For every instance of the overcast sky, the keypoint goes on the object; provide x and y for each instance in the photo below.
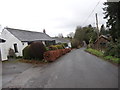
(55, 16)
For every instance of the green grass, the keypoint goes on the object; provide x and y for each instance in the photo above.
(95, 52)
(101, 55)
(113, 59)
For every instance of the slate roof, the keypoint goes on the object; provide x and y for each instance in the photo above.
(25, 36)
(61, 40)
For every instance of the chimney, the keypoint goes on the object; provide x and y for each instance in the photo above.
(44, 31)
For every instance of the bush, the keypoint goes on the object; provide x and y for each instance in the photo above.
(34, 51)
(60, 46)
(54, 54)
(26, 52)
(53, 47)
(37, 50)
(75, 43)
(47, 48)
(11, 53)
(113, 49)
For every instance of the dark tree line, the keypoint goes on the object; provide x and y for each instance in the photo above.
(112, 14)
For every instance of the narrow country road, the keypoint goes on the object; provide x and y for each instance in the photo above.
(77, 69)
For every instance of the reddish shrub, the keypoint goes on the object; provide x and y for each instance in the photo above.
(50, 55)
(54, 54)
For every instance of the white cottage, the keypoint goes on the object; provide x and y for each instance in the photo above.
(18, 39)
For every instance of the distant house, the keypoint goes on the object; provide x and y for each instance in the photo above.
(101, 42)
(17, 40)
(62, 40)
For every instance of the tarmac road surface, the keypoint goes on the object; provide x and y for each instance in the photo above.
(77, 69)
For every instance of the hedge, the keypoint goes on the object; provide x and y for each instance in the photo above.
(34, 51)
(54, 54)
(26, 52)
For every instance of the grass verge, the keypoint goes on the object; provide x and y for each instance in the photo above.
(101, 55)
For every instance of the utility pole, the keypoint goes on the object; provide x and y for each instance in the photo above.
(97, 24)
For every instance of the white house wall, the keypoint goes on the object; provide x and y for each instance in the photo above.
(69, 44)
(10, 41)
(3, 52)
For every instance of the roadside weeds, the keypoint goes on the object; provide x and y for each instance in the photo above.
(111, 59)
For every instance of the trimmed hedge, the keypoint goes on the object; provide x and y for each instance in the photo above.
(54, 54)
(34, 51)
(37, 50)
(26, 52)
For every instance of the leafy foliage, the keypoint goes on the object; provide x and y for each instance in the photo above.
(112, 14)
(103, 31)
(75, 43)
(52, 47)
(85, 34)
(26, 52)
(37, 50)
(101, 54)
(34, 51)
(11, 53)
(59, 46)
(113, 49)
(55, 47)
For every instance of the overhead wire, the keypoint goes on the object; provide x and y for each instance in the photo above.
(91, 12)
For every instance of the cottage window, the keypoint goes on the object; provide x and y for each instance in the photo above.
(15, 48)
(103, 44)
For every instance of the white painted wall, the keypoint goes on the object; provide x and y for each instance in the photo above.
(43, 42)
(10, 41)
(69, 44)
